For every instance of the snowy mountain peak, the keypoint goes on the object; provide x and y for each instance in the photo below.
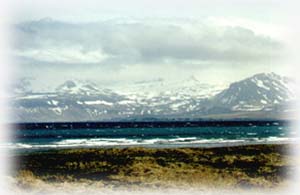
(256, 92)
(77, 87)
(269, 75)
(68, 85)
(191, 81)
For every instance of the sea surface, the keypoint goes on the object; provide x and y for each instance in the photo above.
(156, 137)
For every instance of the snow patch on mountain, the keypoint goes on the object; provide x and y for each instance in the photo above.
(97, 102)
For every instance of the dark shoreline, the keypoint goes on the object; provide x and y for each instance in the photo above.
(236, 166)
(147, 124)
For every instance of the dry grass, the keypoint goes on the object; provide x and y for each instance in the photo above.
(260, 166)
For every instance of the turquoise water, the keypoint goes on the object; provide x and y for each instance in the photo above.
(150, 137)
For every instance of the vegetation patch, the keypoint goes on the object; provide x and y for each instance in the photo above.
(257, 166)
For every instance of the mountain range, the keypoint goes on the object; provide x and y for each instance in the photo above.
(261, 96)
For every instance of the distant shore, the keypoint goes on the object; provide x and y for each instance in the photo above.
(150, 124)
(249, 166)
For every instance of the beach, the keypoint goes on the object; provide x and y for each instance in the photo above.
(265, 166)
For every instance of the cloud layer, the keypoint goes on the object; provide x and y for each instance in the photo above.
(124, 42)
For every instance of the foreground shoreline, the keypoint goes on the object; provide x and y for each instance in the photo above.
(247, 166)
(225, 144)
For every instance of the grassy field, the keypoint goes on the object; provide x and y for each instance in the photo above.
(256, 166)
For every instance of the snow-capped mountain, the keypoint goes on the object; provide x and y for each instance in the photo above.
(262, 95)
(190, 87)
(79, 87)
(256, 93)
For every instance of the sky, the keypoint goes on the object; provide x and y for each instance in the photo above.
(115, 42)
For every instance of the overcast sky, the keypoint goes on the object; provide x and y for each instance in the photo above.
(216, 41)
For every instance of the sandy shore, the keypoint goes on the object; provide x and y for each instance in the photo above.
(239, 167)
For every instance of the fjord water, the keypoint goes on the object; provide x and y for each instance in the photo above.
(210, 136)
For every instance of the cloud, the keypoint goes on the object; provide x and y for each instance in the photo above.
(63, 55)
(144, 42)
